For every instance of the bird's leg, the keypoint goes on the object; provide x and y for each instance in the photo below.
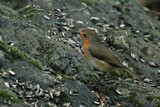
(99, 80)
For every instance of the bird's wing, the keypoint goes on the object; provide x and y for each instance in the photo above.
(102, 53)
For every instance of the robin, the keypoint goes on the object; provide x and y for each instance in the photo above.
(99, 56)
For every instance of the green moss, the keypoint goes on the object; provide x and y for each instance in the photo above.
(17, 54)
(6, 95)
(67, 78)
(55, 66)
(22, 14)
(109, 90)
(137, 103)
(150, 98)
(134, 100)
(64, 97)
(133, 95)
(8, 12)
(119, 73)
(27, 11)
(157, 102)
(155, 99)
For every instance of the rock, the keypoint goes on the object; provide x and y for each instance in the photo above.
(80, 94)
(39, 34)
(118, 38)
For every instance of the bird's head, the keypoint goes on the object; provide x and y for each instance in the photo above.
(89, 35)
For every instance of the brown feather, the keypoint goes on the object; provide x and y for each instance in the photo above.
(104, 54)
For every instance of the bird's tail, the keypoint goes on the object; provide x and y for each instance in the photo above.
(133, 74)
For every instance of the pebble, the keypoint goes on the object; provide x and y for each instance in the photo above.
(63, 34)
(78, 49)
(134, 56)
(66, 104)
(47, 36)
(124, 63)
(63, 14)
(82, 106)
(57, 9)
(142, 60)
(96, 102)
(152, 64)
(137, 31)
(66, 28)
(99, 24)
(79, 22)
(1, 38)
(146, 37)
(46, 17)
(71, 25)
(10, 43)
(147, 80)
(95, 19)
(51, 95)
(106, 25)
(104, 30)
(7, 84)
(3, 73)
(118, 92)
(70, 41)
(122, 25)
(11, 72)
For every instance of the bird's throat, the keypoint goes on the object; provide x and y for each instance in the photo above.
(85, 49)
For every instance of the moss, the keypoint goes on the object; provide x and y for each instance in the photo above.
(109, 90)
(8, 12)
(64, 97)
(137, 103)
(157, 102)
(55, 66)
(150, 98)
(134, 100)
(133, 95)
(27, 11)
(155, 99)
(67, 78)
(119, 73)
(17, 54)
(6, 95)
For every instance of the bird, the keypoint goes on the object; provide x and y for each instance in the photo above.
(100, 56)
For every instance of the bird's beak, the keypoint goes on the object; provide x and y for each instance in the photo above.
(81, 33)
(78, 32)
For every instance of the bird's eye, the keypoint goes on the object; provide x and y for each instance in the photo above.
(84, 35)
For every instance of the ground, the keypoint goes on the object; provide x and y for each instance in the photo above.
(42, 64)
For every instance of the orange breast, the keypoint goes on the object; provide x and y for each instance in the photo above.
(85, 48)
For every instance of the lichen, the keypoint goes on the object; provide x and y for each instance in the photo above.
(17, 54)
